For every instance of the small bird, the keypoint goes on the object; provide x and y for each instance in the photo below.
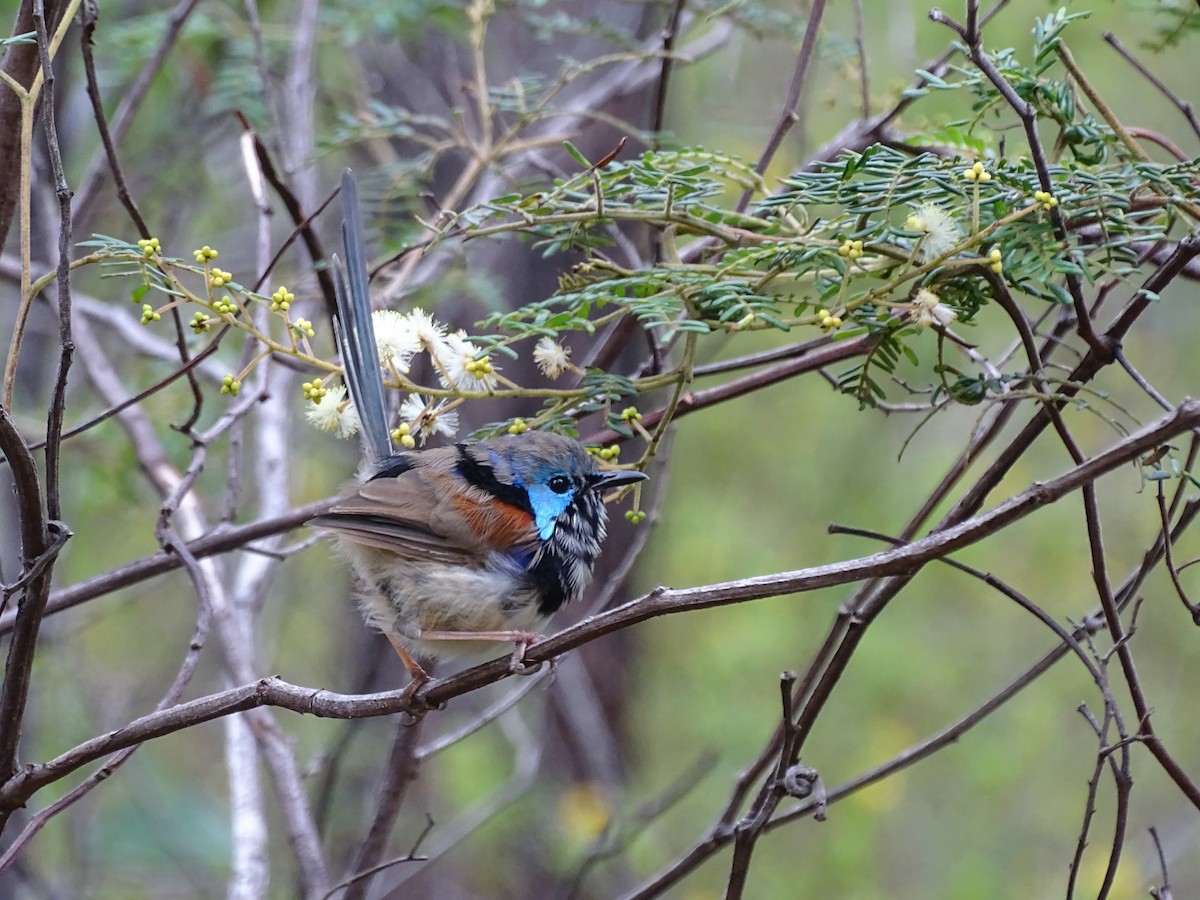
(458, 546)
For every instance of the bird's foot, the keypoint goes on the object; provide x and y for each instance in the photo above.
(418, 706)
(517, 665)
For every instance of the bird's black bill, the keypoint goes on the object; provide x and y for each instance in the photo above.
(602, 481)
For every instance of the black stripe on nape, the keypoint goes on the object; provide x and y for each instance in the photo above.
(483, 476)
(394, 465)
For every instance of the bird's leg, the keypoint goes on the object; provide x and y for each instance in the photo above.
(416, 672)
(522, 640)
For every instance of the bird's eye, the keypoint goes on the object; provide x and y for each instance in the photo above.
(560, 484)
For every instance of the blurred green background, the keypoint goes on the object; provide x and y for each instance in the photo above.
(750, 489)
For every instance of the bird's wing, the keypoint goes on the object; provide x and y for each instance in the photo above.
(426, 514)
(395, 514)
(394, 537)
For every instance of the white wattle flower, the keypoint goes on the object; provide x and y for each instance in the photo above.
(551, 357)
(395, 338)
(941, 231)
(430, 334)
(928, 310)
(333, 412)
(460, 368)
(426, 418)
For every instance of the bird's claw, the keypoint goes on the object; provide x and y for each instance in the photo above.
(416, 712)
(517, 665)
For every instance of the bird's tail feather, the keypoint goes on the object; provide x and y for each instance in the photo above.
(354, 330)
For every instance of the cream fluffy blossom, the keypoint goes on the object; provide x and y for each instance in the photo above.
(941, 232)
(426, 418)
(396, 338)
(551, 357)
(460, 367)
(928, 310)
(333, 412)
(430, 333)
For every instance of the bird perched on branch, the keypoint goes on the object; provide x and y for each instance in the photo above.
(457, 546)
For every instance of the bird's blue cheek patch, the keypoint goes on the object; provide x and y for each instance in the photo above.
(547, 507)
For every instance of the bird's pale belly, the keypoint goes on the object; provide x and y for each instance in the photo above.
(405, 599)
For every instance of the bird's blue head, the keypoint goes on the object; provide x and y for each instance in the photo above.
(562, 483)
(558, 483)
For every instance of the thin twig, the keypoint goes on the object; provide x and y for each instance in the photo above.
(790, 115)
(1163, 891)
(1182, 105)
(670, 33)
(1169, 559)
(972, 36)
(864, 72)
(410, 856)
(34, 521)
(399, 772)
(131, 102)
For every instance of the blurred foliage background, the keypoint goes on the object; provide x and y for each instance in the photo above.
(674, 708)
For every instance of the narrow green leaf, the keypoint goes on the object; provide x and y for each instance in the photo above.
(576, 155)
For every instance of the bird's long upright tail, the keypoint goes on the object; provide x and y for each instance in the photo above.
(354, 330)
